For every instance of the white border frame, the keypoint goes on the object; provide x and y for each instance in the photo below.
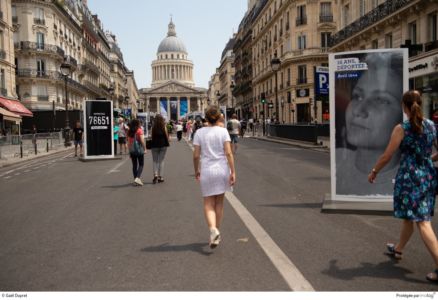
(86, 156)
(332, 69)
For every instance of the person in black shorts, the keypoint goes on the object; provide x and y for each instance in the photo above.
(78, 136)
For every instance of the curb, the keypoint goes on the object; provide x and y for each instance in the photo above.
(295, 144)
(34, 157)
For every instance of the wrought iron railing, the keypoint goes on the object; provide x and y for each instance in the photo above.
(39, 21)
(14, 19)
(301, 80)
(326, 18)
(374, 16)
(26, 45)
(431, 46)
(301, 21)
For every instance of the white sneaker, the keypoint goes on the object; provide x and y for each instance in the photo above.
(215, 238)
(138, 181)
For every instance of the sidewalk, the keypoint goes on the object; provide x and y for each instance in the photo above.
(295, 143)
(16, 160)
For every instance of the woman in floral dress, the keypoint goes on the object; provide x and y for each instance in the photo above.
(415, 183)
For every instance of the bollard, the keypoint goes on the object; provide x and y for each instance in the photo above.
(21, 149)
(35, 145)
(47, 145)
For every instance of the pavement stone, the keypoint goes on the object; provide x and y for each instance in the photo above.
(16, 160)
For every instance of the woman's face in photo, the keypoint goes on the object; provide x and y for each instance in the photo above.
(374, 109)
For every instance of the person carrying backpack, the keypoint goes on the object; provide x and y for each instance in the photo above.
(137, 149)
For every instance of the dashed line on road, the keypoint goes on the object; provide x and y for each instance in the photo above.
(290, 273)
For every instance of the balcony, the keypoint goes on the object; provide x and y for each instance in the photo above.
(326, 19)
(301, 21)
(431, 46)
(39, 21)
(93, 88)
(34, 73)
(302, 80)
(2, 54)
(372, 18)
(32, 46)
(72, 61)
(3, 92)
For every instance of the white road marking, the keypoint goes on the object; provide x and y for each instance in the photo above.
(7, 177)
(293, 277)
(17, 174)
(116, 168)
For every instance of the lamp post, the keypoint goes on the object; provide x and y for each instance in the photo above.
(66, 71)
(282, 110)
(275, 66)
(232, 86)
(293, 111)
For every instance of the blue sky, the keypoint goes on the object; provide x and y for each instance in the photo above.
(204, 25)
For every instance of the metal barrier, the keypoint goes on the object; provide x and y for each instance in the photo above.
(305, 132)
(29, 144)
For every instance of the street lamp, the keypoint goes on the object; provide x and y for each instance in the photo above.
(293, 111)
(232, 86)
(275, 66)
(282, 110)
(66, 71)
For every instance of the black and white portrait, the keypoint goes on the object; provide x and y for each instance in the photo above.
(368, 91)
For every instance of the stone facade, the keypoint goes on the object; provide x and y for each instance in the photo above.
(7, 55)
(371, 24)
(214, 89)
(297, 32)
(226, 77)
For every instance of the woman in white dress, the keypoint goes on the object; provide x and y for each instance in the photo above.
(214, 168)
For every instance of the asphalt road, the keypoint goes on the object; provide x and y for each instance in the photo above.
(67, 225)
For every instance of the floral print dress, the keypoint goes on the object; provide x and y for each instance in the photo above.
(415, 183)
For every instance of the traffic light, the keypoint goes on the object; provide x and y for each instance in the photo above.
(263, 98)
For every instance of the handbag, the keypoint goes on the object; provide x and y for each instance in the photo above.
(136, 148)
(148, 143)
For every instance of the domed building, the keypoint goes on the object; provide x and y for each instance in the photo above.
(173, 93)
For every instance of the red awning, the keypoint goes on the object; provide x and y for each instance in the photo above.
(15, 107)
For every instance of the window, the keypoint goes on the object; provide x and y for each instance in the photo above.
(40, 40)
(302, 42)
(2, 43)
(432, 26)
(388, 40)
(39, 15)
(346, 17)
(41, 68)
(172, 56)
(413, 32)
(301, 15)
(361, 8)
(288, 77)
(302, 74)
(40, 91)
(326, 10)
(325, 39)
(287, 21)
(2, 79)
(14, 13)
(374, 44)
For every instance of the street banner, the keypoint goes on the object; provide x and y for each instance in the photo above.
(163, 108)
(98, 129)
(174, 109)
(366, 88)
(183, 108)
(321, 81)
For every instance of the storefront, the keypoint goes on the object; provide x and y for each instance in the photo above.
(9, 122)
(423, 76)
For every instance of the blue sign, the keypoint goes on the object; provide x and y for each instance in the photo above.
(321, 81)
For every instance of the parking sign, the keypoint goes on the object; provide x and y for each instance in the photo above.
(321, 81)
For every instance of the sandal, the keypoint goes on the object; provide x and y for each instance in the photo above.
(160, 179)
(433, 279)
(392, 252)
(155, 180)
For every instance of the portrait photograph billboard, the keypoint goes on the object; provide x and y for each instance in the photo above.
(366, 89)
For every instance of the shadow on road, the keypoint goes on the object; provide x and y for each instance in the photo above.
(195, 247)
(295, 205)
(385, 270)
(125, 185)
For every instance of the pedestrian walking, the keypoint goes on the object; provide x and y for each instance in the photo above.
(116, 137)
(214, 168)
(123, 129)
(78, 138)
(179, 131)
(233, 127)
(415, 182)
(137, 149)
(189, 130)
(159, 144)
(197, 125)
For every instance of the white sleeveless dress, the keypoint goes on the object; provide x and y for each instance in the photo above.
(215, 172)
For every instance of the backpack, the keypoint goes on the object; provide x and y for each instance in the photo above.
(136, 148)
(229, 125)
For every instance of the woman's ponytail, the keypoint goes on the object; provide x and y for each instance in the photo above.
(412, 101)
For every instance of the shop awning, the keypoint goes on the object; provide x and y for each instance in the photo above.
(9, 116)
(16, 107)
